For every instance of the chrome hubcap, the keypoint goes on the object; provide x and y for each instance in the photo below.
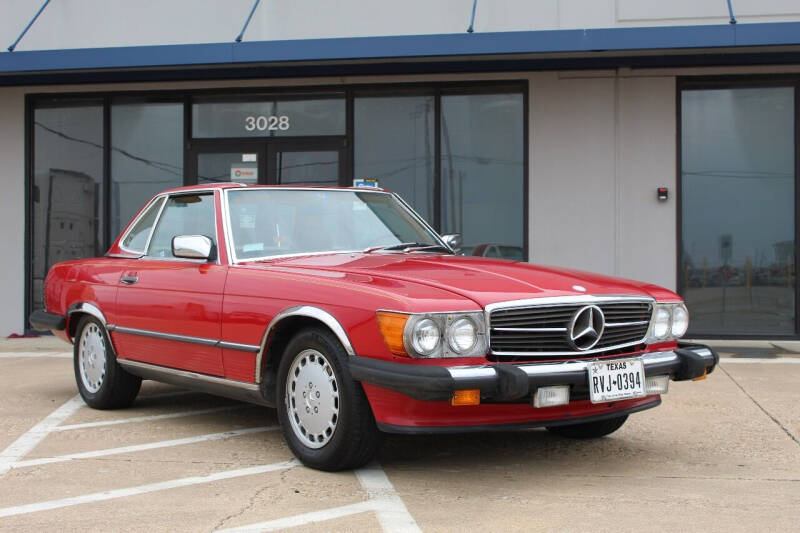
(312, 398)
(92, 357)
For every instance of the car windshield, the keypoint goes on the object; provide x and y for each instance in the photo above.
(272, 222)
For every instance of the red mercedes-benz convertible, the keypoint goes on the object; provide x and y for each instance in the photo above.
(345, 311)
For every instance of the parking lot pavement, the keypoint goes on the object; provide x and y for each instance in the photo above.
(721, 454)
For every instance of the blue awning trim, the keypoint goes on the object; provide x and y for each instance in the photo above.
(424, 47)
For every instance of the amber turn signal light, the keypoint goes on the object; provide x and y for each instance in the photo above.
(466, 397)
(392, 326)
(701, 378)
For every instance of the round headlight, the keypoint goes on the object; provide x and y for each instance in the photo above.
(425, 336)
(661, 323)
(461, 335)
(680, 320)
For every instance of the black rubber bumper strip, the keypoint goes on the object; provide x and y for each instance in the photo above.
(431, 383)
(510, 382)
(438, 430)
(44, 321)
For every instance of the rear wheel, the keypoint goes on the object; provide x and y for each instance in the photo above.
(590, 430)
(324, 414)
(102, 383)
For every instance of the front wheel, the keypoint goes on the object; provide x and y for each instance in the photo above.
(324, 414)
(589, 430)
(102, 383)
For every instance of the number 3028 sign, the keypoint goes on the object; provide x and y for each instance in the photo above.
(266, 123)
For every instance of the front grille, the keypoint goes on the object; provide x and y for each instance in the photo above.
(541, 330)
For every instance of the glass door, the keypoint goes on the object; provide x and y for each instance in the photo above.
(313, 162)
(738, 220)
(227, 162)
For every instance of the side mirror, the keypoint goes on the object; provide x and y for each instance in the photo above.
(192, 247)
(453, 240)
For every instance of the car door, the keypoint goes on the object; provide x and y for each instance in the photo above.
(169, 308)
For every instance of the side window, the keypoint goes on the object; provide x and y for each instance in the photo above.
(136, 239)
(186, 214)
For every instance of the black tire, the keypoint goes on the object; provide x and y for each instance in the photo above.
(589, 430)
(354, 438)
(112, 389)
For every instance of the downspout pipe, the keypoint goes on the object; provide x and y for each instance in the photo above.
(730, 13)
(21, 35)
(246, 22)
(472, 18)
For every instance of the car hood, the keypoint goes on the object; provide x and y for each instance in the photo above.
(483, 280)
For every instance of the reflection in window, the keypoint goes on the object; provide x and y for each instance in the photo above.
(307, 167)
(188, 214)
(737, 257)
(67, 187)
(482, 170)
(394, 144)
(216, 117)
(146, 156)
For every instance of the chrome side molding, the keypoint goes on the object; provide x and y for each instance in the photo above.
(184, 338)
(306, 311)
(89, 309)
(229, 388)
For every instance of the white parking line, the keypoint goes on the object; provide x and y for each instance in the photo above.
(144, 489)
(392, 514)
(53, 355)
(142, 447)
(308, 518)
(759, 360)
(28, 440)
(152, 417)
(390, 510)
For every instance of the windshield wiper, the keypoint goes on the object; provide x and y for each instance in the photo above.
(409, 247)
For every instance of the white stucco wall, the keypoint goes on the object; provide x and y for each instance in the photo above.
(12, 209)
(601, 145)
(100, 23)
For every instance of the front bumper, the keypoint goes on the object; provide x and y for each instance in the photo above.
(514, 382)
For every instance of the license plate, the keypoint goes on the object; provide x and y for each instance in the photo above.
(619, 379)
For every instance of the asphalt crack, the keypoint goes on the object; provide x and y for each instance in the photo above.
(250, 504)
(763, 410)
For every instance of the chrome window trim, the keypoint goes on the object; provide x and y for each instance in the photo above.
(183, 338)
(155, 225)
(555, 301)
(190, 375)
(306, 311)
(136, 220)
(227, 228)
(167, 197)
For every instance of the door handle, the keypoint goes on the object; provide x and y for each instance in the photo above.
(129, 279)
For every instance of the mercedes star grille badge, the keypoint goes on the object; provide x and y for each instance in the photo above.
(586, 327)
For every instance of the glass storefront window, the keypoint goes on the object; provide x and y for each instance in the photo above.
(67, 187)
(395, 145)
(268, 117)
(146, 156)
(738, 221)
(483, 171)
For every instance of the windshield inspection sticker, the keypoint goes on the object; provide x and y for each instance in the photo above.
(247, 221)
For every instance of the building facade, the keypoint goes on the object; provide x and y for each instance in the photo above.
(637, 138)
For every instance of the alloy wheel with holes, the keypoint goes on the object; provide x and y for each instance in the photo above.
(312, 398)
(324, 414)
(92, 357)
(102, 383)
